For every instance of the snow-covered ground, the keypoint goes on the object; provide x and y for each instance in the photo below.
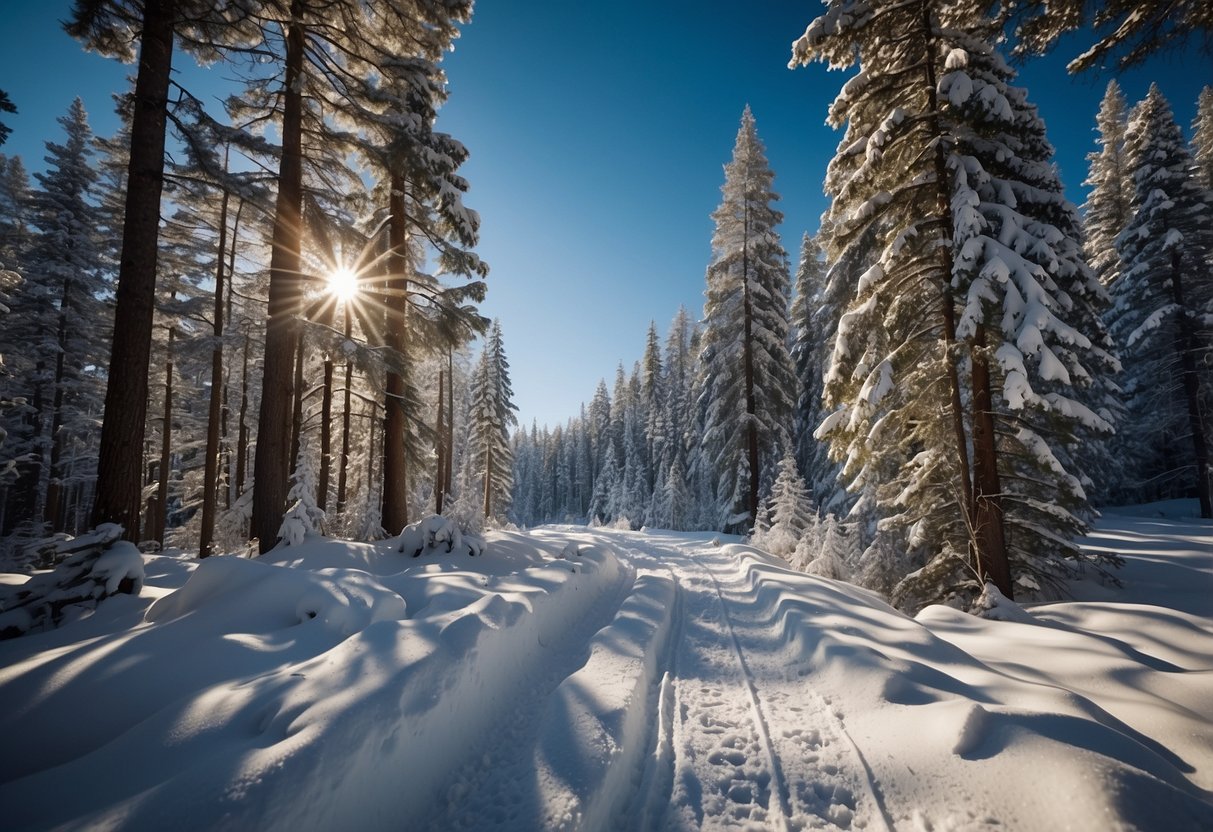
(578, 678)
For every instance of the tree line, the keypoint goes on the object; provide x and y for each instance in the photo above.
(969, 363)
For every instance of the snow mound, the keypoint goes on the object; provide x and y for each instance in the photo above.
(253, 596)
(605, 706)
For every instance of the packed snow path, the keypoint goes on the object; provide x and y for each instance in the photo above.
(593, 679)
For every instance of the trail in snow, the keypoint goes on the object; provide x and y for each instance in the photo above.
(593, 679)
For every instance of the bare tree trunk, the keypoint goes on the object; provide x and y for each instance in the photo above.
(488, 478)
(54, 492)
(326, 435)
(1185, 345)
(242, 428)
(395, 479)
(988, 527)
(297, 406)
(210, 477)
(440, 442)
(343, 468)
(231, 492)
(166, 444)
(120, 459)
(450, 421)
(272, 466)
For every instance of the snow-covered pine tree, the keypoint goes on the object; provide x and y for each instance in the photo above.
(1106, 211)
(653, 407)
(1202, 138)
(1163, 302)
(1125, 32)
(303, 517)
(748, 383)
(67, 288)
(791, 509)
(959, 315)
(490, 418)
(835, 550)
(814, 322)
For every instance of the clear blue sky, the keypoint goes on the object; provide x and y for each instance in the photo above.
(598, 132)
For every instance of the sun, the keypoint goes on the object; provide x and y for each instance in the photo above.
(342, 283)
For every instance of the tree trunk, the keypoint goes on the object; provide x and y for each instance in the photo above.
(210, 477)
(450, 420)
(1185, 344)
(297, 406)
(242, 428)
(166, 444)
(120, 459)
(232, 490)
(440, 445)
(326, 435)
(54, 492)
(750, 404)
(943, 206)
(343, 468)
(488, 478)
(272, 464)
(988, 529)
(395, 480)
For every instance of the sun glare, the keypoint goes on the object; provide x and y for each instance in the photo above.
(343, 284)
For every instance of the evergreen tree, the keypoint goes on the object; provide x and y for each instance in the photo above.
(67, 291)
(962, 310)
(1163, 301)
(791, 510)
(1202, 138)
(748, 382)
(1106, 212)
(492, 414)
(304, 517)
(814, 321)
(1125, 32)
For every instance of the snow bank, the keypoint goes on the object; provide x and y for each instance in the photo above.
(245, 702)
(596, 735)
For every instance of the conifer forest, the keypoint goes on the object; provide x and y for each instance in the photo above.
(907, 516)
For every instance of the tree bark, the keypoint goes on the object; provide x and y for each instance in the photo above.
(440, 443)
(988, 528)
(343, 468)
(488, 477)
(242, 428)
(54, 491)
(272, 463)
(119, 464)
(166, 444)
(450, 420)
(1185, 344)
(395, 479)
(326, 435)
(210, 477)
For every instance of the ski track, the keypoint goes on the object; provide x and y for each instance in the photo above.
(737, 738)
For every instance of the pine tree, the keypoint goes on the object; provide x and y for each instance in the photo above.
(814, 322)
(65, 271)
(834, 551)
(1125, 32)
(748, 382)
(1106, 212)
(790, 508)
(1202, 138)
(962, 309)
(1162, 303)
(304, 517)
(492, 414)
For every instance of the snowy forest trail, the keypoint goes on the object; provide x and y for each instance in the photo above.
(574, 678)
(724, 732)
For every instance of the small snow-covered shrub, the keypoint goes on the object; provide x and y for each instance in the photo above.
(437, 534)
